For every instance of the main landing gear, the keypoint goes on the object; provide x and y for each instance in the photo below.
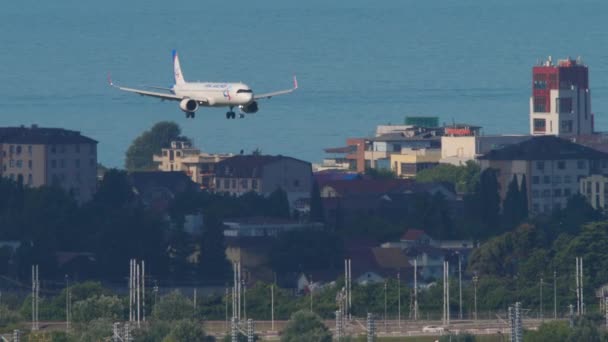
(232, 115)
(190, 115)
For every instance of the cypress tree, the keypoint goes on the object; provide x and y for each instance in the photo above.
(316, 206)
(511, 206)
(523, 192)
(489, 199)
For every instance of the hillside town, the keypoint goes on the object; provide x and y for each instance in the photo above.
(392, 208)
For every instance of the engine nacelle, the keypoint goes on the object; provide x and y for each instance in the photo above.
(188, 105)
(249, 108)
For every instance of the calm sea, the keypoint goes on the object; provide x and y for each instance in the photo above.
(359, 64)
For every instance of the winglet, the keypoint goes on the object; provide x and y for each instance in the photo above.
(174, 53)
(295, 82)
(110, 80)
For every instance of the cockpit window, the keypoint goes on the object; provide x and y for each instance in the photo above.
(244, 91)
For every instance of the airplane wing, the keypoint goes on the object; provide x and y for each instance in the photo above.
(277, 93)
(163, 96)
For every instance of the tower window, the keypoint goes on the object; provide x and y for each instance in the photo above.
(564, 105)
(540, 125)
(540, 104)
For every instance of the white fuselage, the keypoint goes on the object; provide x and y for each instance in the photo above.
(215, 94)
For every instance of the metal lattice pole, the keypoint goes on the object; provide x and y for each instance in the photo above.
(16, 335)
(233, 330)
(338, 325)
(371, 328)
(250, 330)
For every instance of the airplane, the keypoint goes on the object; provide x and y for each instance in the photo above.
(192, 95)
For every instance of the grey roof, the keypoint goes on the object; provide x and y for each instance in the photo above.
(544, 148)
(248, 166)
(39, 135)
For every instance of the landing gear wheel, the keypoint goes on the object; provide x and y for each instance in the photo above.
(228, 115)
(189, 115)
(241, 116)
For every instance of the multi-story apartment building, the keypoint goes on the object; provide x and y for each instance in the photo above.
(38, 156)
(552, 168)
(264, 174)
(181, 156)
(595, 189)
(561, 101)
(457, 150)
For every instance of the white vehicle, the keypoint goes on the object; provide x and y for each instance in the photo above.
(433, 329)
(192, 95)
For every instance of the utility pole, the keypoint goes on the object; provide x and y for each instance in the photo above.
(371, 328)
(385, 302)
(272, 306)
(244, 300)
(399, 298)
(350, 289)
(310, 290)
(143, 289)
(416, 288)
(446, 292)
(35, 297)
(475, 280)
(580, 308)
(460, 286)
(250, 330)
(226, 310)
(67, 303)
(540, 311)
(554, 294)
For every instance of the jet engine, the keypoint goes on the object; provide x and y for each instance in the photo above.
(188, 105)
(249, 108)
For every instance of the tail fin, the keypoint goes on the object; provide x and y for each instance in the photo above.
(177, 69)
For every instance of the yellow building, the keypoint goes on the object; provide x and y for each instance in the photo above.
(36, 156)
(410, 162)
(181, 156)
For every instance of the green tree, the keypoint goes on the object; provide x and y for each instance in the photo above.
(375, 173)
(173, 307)
(115, 190)
(156, 331)
(212, 263)
(186, 330)
(305, 326)
(511, 206)
(464, 178)
(550, 331)
(489, 199)
(304, 251)
(278, 204)
(98, 307)
(523, 202)
(139, 155)
(94, 331)
(316, 205)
